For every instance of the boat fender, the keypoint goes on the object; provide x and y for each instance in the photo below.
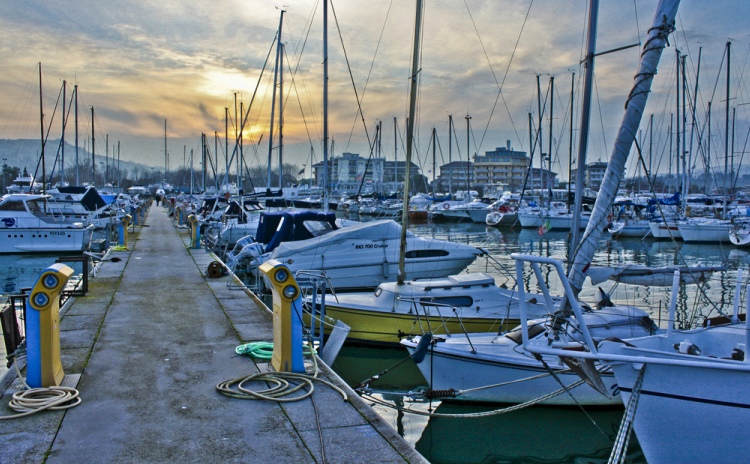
(686, 347)
(214, 270)
(421, 349)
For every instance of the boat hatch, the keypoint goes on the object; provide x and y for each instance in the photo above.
(516, 335)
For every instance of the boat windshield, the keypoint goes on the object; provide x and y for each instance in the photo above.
(33, 206)
(318, 228)
(12, 206)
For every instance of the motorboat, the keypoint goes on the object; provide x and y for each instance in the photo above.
(364, 255)
(24, 183)
(275, 227)
(468, 302)
(27, 224)
(223, 227)
(474, 211)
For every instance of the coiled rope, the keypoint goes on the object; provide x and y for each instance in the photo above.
(33, 400)
(283, 384)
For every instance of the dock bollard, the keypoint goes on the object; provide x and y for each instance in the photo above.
(142, 213)
(122, 231)
(135, 215)
(178, 215)
(43, 364)
(287, 317)
(195, 231)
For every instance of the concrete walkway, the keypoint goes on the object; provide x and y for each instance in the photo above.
(151, 340)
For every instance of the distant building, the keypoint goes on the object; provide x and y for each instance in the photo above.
(456, 175)
(592, 175)
(349, 172)
(501, 165)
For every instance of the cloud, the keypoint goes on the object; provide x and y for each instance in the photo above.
(140, 62)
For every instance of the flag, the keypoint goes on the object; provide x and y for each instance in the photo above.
(544, 228)
(302, 171)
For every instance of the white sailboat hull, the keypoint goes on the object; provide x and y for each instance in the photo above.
(665, 230)
(453, 366)
(688, 413)
(705, 231)
(556, 221)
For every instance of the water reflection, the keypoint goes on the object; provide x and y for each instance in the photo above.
(528, 435)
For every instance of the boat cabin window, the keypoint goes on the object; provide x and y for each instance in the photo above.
(12, 206)
(426, 253)
(33, 206)
(462, 301)
(318, 228)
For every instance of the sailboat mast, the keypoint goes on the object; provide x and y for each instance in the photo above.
(583, 136)
(93, 149)
(570, 143)
(281, 115)
(677, 131)
(726, 133)
(41, 125)
(410, 140)
(325, 106)
(549, 154)
(434, 140)
(683, 152)
(273, 98)
(75, 90)
(450, 155)
(62, 136)
(468, 131)
(395, 150)
(663, 25)
(539, 139)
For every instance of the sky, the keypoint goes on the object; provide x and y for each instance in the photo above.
(139, 63)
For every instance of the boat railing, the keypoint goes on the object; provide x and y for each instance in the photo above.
(592, 353)
(314, 287)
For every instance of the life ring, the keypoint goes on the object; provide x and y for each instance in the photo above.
(446, 206)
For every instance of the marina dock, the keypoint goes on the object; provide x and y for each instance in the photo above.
(146, 348)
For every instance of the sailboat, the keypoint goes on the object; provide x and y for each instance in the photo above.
(444, 302)
(504, 368)
(685, 391)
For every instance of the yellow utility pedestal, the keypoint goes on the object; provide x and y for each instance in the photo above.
(123, 230)
(44, 367)
(287, 317)
(195, 231)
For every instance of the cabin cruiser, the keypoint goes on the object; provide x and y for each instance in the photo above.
(24, 183)
(362, 255)
(27, 224)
